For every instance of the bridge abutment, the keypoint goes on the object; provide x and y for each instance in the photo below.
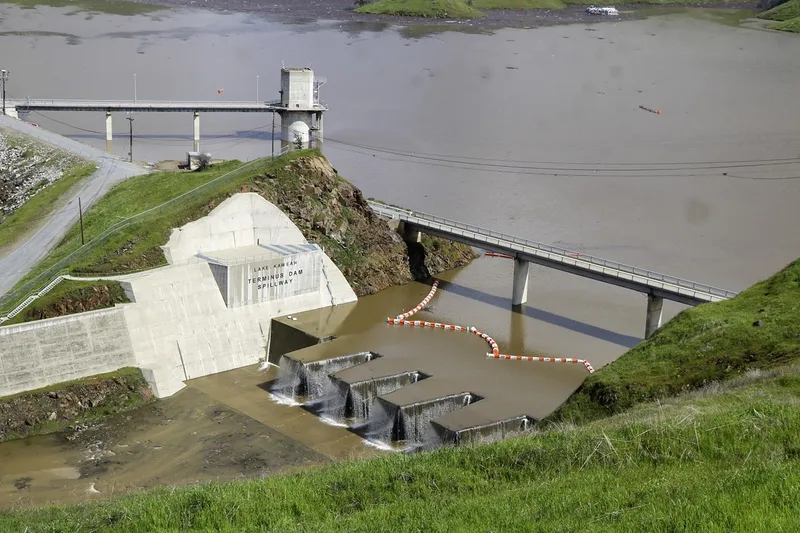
(519, 295)
(654, 311)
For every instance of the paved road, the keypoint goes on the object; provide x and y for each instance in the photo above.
(110, 171)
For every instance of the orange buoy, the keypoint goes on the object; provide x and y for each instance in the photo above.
(219, 91)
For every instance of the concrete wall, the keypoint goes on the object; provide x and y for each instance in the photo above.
(45, 352)
(179, 324)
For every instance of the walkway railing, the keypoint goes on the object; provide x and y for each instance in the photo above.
(555, 253)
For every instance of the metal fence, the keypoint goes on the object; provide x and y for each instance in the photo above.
(516, 243)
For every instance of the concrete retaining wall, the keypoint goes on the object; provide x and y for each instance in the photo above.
(45, 352)
(177, 326)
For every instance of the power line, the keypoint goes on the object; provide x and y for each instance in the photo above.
(466, 166)
(619, 164)
(550, 170)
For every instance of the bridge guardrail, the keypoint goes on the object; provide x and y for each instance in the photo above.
(446, 224)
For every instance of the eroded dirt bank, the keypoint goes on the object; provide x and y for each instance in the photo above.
(57, 407)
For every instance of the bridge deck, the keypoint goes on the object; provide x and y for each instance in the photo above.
(630, 277)
(147, 106)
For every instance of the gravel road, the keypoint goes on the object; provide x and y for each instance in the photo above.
(110, 171)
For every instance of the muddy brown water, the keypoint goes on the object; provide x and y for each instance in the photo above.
(532, 132)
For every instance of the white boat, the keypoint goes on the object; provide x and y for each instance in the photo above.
(608, 10)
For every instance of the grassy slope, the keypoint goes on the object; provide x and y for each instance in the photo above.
(136, 246)
(421, 8)
(127, 199)
(69, 297)
(518, 4)
(783, 12)
(787, 15)
(712, 462)
(702, 344)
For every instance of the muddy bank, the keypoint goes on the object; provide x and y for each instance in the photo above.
(301, 11)
(190, 438)
(333, 213)
(55, 408)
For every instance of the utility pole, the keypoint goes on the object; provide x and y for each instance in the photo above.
(4, 77)
(273, 135)
(130, 152)
(80, 213)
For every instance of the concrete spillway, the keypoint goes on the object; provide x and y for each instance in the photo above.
(356, 398)
(483, 434)
(310, 381)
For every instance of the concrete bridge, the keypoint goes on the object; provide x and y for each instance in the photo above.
(657, 287)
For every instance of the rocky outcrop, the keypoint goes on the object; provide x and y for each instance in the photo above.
(27, 167)
(57, 407)
(333, 213)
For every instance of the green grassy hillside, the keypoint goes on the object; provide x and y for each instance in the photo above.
(759, 328)
(787, 15)
(421, 8)
(723, 460)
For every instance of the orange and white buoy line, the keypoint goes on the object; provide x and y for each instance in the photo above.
(402, 320)
(583, 362)
(656, 111)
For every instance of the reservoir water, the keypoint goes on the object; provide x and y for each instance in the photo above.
(533, 132)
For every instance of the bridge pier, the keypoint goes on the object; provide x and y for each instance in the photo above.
(196, 128)
(109, 129)
(519, 295)
(653, 321)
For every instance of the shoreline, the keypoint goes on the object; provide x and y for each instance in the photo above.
(299, 11)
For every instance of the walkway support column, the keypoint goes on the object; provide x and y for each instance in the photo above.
(196, 124)
(109, 129)
(109, 134)
(319, 129)
(653, 322)
(520, 292)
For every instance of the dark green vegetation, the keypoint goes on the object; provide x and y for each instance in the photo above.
(125, 229)
(470, 9)
(725, 461)
(111, 7)
(517, 4)
(70, 297)
(758, 329)
(421, 8)
(56, 407)
(787, 15)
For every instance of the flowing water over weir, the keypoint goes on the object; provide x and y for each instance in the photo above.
(483, 434)
(311, 381)
(356, 399)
